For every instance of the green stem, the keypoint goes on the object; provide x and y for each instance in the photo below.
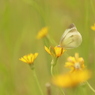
(35, 76)
(90, 87)
(53, 63)
(46, 41)
(61, 91)
(51, 40)
(52, 66)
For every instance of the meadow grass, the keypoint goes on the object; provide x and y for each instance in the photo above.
(20, 21)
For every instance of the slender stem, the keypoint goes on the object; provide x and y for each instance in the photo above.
(90, 87)
(61, 91)
(35, 76)
(53, 63)
(46, 41)
(51, 40)
(48, 89)
(52, 70)
(52, 66)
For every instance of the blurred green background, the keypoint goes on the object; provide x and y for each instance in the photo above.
(20, 20)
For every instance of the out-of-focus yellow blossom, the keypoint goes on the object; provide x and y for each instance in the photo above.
(42, 33)
(55, 51)
(29, 58)
(93, 27)
(71, 79)
(75, 63)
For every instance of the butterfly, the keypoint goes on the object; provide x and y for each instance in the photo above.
(71, 38)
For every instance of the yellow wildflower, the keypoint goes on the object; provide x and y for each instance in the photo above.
(29, 58)
(93, 27)
(75, 63)
(55, 51)
(71, 79)
(42, 33)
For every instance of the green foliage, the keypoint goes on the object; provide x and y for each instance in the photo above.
(20, 20)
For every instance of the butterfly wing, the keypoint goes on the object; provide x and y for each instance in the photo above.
(71, 38)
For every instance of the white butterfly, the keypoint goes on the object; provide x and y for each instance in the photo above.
(71, 38)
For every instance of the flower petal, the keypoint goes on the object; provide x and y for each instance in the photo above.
(29, 58)
(42, 33)
(71, 79)
(47, 50)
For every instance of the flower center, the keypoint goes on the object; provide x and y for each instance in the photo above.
(77, 66)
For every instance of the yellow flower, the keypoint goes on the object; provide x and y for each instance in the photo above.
(93, 27)
(42, 33)
(29, 58)
(55, 51)
(71, 79)
(75, 63)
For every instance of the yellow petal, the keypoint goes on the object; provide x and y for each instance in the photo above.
(22, 59)
(42, 33)
(81, 60)
(83, 75)
(76, 56)
(71, 79)
(47, 50)
(35, 55)
(29, 58)
(71, 59)
(93, 27)
(62, 81)
(69, 64)
(59, 51)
